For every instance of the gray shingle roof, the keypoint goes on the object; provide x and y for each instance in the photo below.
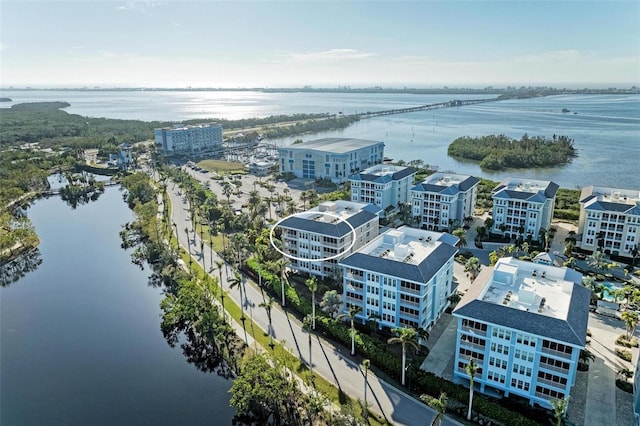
(452, 189)
(573, 330)
(420, 273)
(615, 207)
(373, 177)
(339, 229)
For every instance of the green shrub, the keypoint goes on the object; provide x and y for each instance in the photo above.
(624, 354)
(623, 341)
(624, 385)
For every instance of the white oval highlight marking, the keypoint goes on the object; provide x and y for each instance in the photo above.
(305, 259)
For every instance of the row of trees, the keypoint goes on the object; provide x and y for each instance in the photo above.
(496, 152)
(251, 250)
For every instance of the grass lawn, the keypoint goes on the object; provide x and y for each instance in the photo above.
(222, 167)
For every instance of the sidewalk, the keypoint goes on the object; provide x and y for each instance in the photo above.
(328, 361)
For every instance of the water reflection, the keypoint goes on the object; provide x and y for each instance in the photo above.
(20, 266)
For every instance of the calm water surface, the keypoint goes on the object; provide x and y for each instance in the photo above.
(81, 340)
(605, 128)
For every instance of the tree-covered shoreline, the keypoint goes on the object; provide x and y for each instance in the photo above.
(498, 152)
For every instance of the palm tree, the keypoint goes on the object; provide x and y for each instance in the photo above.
(254, 200)
(331, 303)
(227, 191)
(234, 282)
(366, 364)
(630, 319)
(404, 336)
(460, 232)
(481, 232)
(351, 314)
(186, 231)
(312, 283)
(472, 267)
(597, 260)
(267, 305)
(239, 242)
(291, 208)
(280, 268)
(306, 326)
(586, 356)
(471, 369)
(219, 266)
(260, 251)
(559, 408)
(438, 404)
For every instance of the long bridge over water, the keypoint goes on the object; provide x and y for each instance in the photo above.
(448, 104)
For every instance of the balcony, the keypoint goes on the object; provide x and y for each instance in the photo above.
(409, 303)
(556, 353)
(553, 384)
(549, 367)
(472, 330)
(472, 345)
(409, 290)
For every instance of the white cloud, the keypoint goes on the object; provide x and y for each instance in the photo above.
(143, 6)
(328, 55)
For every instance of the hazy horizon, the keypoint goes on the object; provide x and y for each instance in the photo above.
(323, 44)
(398, 86)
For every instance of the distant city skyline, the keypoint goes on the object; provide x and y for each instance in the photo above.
(263, 44)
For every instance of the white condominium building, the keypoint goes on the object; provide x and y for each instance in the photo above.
(522, 207)
(384, 185)
(444, 199)
(524, 325)
(403, 277)
(331, 158)
(316, 239)
(192, 139)
(609, 220)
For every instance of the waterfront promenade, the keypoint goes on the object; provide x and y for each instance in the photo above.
(329, 361)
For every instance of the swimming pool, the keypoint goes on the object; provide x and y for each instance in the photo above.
(611, 286)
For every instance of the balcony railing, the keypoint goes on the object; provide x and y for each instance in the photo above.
(554, 368)
(473, 345)
(556, 353)
(472, 330)
(551, 383)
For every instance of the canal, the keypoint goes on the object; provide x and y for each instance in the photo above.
(80, 339)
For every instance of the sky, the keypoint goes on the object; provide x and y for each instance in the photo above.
(430, 43)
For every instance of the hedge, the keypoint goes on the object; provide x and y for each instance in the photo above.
(389, 363)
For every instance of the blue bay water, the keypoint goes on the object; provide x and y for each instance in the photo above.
(81, 339)
(605, 128)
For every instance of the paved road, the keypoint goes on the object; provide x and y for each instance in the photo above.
(328, 361)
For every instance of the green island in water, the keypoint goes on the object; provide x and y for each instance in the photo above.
(498, 152)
